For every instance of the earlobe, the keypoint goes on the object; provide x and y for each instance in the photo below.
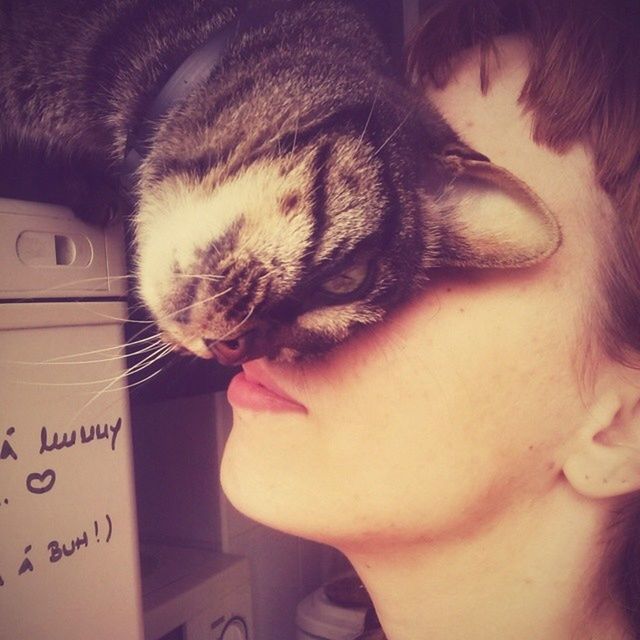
(604, 461)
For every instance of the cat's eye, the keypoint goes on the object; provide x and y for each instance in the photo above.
(348, 282)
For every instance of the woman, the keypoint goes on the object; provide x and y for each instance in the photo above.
(477, 456)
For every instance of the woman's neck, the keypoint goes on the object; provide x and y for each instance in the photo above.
(530, 575)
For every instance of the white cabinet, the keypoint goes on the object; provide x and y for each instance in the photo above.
(68, 541)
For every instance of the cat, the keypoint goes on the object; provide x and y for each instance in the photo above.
(298, 193)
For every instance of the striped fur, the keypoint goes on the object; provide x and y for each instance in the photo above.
(302, 161)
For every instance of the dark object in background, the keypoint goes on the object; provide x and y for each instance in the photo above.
(28, 172)
(350, 592)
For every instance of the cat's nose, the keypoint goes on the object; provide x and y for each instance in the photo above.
(231, 352)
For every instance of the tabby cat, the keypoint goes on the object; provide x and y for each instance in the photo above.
(298, 192)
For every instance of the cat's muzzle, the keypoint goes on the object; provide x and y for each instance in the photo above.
(228, 352)
(247, 346)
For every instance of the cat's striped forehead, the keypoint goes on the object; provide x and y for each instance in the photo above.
(253, 238)
(334, 182)
(184, 227)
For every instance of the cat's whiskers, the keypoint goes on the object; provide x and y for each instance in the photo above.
(195, 304)
(394, 132)
(235, 329)
(366, 124)
(87, 304)
(160, 351)
(295, 136)
(126, 387)
(110, 317)
(124, 354)
(198, 275)
(152, 341)
(140, 366)
(308, 253)
(67, 283)
(68, 357)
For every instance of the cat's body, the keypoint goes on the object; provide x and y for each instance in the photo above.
(78, 74)
(75, 78)
(298, 194)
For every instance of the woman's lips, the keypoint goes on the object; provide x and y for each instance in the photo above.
(254, 388)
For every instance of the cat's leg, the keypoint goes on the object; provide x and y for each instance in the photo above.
(85, 184)
(96, 199)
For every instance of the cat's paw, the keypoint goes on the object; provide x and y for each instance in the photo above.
(98, 203)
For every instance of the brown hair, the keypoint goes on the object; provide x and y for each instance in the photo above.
(583, 86)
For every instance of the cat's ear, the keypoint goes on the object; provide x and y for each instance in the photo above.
(492, 218)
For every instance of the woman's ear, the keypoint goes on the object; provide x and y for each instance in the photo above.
(491, 218)
(604, 455)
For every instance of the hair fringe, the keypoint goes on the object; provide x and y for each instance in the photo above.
(583, 86)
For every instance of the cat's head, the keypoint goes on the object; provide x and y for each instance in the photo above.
(288, 255)
(303, 192)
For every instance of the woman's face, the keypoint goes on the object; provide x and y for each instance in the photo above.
(457, 407)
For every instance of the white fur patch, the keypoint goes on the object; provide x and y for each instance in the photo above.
(180, 218)
(337, 321)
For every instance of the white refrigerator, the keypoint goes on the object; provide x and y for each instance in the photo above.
(69, 565)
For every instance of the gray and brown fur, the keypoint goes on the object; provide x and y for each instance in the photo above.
(302, 156)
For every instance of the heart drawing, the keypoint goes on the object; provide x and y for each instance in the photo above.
(41, 482)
